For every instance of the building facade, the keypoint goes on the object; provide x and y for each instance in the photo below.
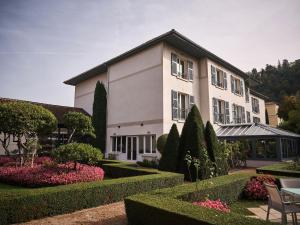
(155, 84)
(272, 109)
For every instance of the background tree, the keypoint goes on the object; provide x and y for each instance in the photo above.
(78, 125)
(99, 116)
(287, 104)
(26, 122)
(169, 158)
(161, 142)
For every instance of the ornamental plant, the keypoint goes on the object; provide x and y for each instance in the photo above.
(214, 204)
(255, 188)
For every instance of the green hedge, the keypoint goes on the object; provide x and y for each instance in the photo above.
(278, 169)
(172, 206)
(24, 204)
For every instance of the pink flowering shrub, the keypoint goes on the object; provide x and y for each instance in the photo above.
(40, 176)
(255, 188)
(6, 159)
(214, 204)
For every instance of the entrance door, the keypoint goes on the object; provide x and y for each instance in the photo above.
(131, 148)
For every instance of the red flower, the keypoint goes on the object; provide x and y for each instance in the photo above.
(255, 188)
(217, 205)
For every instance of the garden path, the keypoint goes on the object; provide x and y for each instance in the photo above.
(111, 214)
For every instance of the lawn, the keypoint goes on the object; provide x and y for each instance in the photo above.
(240, 206)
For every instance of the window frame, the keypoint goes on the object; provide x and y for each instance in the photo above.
(255, 107)
(184, 67)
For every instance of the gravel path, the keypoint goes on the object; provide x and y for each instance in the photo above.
(112, 214)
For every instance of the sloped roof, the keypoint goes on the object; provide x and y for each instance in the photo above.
(253, 130)
(57, 110)
(173, 38)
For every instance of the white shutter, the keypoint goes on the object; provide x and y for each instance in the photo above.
(174, 64)
(232, 84)
(190, 70)
(213, 75)
(227, 113)
(242, 88)
(174, 101)
(225, 81)
(234, 113)
(215, 110)
(243, 115)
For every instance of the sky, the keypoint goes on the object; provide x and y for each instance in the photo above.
(43, 43)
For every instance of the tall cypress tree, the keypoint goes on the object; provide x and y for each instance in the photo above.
(169, 158)
(211, 141)
(191, 139)
(99, 115)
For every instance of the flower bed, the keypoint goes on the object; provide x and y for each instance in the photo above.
(6, 159)
(40, 176)
(255, 188)
(214, 204)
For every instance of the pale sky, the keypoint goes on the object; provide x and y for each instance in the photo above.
(43, 43)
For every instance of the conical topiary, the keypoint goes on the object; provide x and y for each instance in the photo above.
(211, 141)
(169, 158)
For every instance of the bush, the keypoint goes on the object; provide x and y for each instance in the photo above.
(6, 159)
(211, 141)
(77, 153)
(171, 206)
(148, 163)
(255, 188)
(42, 176)
(169, 158)
(27, 204)
(161, 142)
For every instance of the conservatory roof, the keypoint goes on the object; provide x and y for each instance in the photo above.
(253, 130)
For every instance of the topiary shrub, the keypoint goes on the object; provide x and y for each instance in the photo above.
(161, 142)
(148, 163)
(77, 153)
(169, 158)
(211, 141)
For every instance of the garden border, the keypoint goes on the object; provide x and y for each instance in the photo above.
(171, 206)
(278, 169)
(26, 204)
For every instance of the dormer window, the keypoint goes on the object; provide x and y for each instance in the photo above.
(218, 78)
(181, 67)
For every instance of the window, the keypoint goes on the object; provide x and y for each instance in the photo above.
(238, 113)
(255, 105)
(247, 94)
(218, 77)
(141, 144)
(256, 119)
(148, 144)
(248, 117)
(221, 111)
(181, 67)
(113, 143)
(266, 148)
(181, 104)
(237, 86)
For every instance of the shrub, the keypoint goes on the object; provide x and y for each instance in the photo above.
(161, 142)
(77, 152)
(214, 204)
(255, 188)
(211, 141)
(169, 158)
(27, 204)
(148, 163)
(6, 159)
(40, 176)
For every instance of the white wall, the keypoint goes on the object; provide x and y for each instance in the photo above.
(262, 109)
(84, 92)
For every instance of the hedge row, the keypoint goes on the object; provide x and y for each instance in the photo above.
(26, 204)
(279, 169)
(172, 206)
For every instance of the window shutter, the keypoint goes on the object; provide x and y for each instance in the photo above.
(190, 70)
(191, 101)
(213, 75)
(174, 105)
(233, 113)
(248, 117)
(242, 88)
(215, 110)
(232, 84)
(225, 81)
(243, 115)
(227, 114)
(174, 65)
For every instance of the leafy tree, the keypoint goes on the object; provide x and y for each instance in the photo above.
(99, 116)
(211, 141)
(287, 104)
(169, 158)
(77, 153)
(267, 117)
(78, 124)
(161, 142)
(192, 139)
(26, 122)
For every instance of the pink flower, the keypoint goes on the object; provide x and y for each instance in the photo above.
(255, 188)
(217, 205)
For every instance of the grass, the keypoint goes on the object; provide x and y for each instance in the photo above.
(240, 206)
(280, 169)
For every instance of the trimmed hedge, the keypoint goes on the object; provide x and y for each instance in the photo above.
(172, 206)
(278, 169)
(20, 205)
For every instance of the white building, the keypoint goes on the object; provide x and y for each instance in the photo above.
(153, 86)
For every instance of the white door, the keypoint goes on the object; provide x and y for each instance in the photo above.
(131, 147)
